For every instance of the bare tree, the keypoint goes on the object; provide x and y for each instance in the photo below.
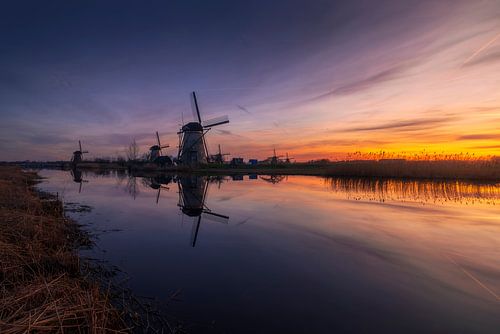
(133, 151)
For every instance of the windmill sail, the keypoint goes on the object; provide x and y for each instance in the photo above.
(216, 121)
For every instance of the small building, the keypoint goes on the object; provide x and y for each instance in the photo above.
(253, 162)
(237, 161)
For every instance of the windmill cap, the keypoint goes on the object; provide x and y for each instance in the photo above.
(192, 126)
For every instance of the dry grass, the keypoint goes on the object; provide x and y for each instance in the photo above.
(41, 286)
(430, 169)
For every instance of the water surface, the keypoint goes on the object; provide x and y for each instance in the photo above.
(301, 254)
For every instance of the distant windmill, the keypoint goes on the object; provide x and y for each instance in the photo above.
(275, 159)
(287, 159)
(219, 157)
(192, 195)
(192, 145)
(156, 155)
(78, 155)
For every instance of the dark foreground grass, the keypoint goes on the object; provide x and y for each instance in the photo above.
(42, 288)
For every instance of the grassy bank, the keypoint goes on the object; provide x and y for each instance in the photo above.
(488, 170)
(42, 288)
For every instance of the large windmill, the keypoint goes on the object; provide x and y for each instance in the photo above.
(192, 145)
(192, 195)
(156, 155)
(78, 155)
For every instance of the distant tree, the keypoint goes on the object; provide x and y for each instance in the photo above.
(133, 151)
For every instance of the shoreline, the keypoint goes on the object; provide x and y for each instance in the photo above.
(477, 170)
(43, 287)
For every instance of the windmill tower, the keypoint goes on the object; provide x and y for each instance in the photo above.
(193, 191)
(78, 155)
(155, 152)
(192, 145)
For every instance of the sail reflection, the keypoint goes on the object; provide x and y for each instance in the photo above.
(423, 191)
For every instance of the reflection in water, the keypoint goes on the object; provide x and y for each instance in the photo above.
(77, 177)
(192, 195)
(317, 255)
(274, 178)
(423, 191)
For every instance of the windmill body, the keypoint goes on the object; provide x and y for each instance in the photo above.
(192, 145)
(193, 151)
(155, 153)
(78, 155)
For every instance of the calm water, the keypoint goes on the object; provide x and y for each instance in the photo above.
(301, 254)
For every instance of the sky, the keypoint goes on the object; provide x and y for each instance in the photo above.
(316, 79)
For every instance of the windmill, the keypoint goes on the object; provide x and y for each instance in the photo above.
(287, 159)
(78, 155)
(192, 145)
(156, 155)
(192, 195)
(219, 157)
(275, 159)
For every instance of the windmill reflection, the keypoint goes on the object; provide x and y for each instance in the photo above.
(78, 178)
(274, 178)
(193, 191)
(158, 182)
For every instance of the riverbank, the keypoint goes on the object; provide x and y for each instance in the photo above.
(480, 170)
(488, 170)
(43, 288)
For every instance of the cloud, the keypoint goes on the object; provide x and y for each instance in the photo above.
(391, 73)
(481, 136)
(407, 125)
(243, 109)
(486, 59)
(224, 132)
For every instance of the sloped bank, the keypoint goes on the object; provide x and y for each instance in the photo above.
(42, 286)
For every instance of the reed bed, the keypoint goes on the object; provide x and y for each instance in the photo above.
(42, 288)
(429, 169)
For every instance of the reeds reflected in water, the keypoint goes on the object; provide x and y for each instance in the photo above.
(420, 191)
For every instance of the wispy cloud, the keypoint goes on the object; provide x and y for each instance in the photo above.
(482, 48)
(388, 74)
(243, 109)
(488, 58)
(480, 136)
(418, 124)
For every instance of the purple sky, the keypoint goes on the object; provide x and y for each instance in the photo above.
(314, 78)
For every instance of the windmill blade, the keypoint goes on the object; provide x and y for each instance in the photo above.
(196, 107)
(85, 151)
(194, 231)
(80, 145)
(215, 217)
(158, 139)
(158, 195)
(216, 121)
(80, 188)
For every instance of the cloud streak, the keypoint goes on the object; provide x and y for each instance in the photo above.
(418, 124)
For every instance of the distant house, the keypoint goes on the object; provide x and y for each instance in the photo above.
(237, 161)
